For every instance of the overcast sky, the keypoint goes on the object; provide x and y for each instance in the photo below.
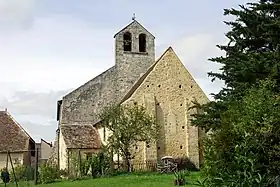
(50, 47)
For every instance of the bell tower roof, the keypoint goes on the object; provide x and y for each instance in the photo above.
(134, 22)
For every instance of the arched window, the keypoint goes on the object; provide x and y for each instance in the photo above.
(142, 43)
(127, 41)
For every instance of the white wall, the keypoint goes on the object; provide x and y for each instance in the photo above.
(17, 159)
(62, 153)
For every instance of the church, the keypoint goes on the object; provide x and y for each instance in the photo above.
(164, 86)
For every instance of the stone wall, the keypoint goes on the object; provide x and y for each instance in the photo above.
(54, 155)
(173, 87)
(86, 102)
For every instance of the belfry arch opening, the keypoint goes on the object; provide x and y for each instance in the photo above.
(127, 41)
(142, 42)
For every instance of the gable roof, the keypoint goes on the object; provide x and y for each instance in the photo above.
(134, 21)
(77, 136)
(12, 135)
(143, 77)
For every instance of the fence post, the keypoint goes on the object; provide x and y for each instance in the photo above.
(36, 167)
(13, 168)
(7, 162)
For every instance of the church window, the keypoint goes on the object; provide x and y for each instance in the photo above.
(142, 43)
(127, 41)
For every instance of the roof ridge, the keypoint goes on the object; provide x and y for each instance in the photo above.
(131, 24)
(144, 76)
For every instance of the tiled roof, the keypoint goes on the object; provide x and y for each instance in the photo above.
(79, 136)
(12, 136)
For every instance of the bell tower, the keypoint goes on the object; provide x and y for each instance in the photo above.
(134, 53)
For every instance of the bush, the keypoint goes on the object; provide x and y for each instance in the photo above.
(100, 165)
(5, 176)
(23, 173)
(49, 174)
(185, 163)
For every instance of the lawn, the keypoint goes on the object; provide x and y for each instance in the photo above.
(152, 180)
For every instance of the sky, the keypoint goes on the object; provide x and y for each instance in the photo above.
(50, 47)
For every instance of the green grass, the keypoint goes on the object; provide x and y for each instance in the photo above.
(148, 180)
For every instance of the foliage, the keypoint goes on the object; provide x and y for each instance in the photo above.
(100, 164)
(246, 151)
(128, 125)
(185, 163)
(180, 177)
(49, 174)
(252, 54)
(23, 173)
(243, 121)
(5, 176)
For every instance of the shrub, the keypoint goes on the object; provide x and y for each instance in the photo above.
(185, 163)
(100, 165)
(180, 177)
(5, 176)
(23, 173)
(49, 174)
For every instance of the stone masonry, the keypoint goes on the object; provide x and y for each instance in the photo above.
(173, 90)
(84, 103)
(164, 87)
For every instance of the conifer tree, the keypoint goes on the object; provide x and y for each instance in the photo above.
(243, 146)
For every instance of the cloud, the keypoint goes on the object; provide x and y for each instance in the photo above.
(16, 13)
(36, 112)
(55, 53)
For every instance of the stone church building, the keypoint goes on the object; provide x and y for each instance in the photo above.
(163, 86)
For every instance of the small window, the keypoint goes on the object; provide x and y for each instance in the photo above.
(158, 104)
(135, 103)
(127, 41)
(180, 86)
(148, 146)
(136, 147)
(183, 127)
(158, 148)
(159, 85)
(181, 147)
(148, 86)
(142, 43)
(191, 86)
(181, 104)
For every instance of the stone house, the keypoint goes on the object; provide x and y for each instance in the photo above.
(164, 86)
(16, 140)
(44, 150)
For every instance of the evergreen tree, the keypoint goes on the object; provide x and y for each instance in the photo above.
(243, 146)
(252, 54)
